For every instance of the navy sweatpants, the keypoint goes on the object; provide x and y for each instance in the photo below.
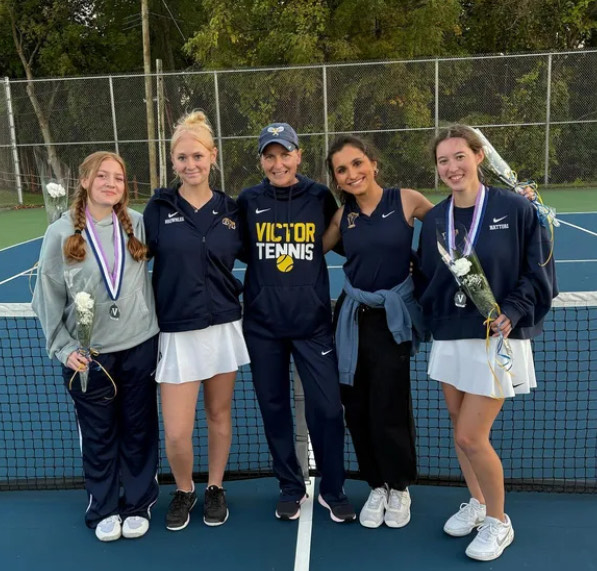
(119, 435)
(315, 359)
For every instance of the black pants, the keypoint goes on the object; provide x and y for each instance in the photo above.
(378, 407)
(317, 366)
(119, 436)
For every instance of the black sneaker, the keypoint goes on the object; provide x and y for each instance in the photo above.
(342, 512)
(289, 509)
(215, 509)
(179, 511)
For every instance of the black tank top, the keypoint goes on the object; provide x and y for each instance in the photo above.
(377, 247)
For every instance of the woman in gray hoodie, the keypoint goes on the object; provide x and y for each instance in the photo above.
(92, 276)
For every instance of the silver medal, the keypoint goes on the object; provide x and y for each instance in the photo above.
(460, 299)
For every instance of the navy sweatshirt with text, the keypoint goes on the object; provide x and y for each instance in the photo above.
(512, 248)
(194, 254)
(287, 293)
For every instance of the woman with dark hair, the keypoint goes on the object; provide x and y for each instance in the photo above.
(83, 253)
(379, 325)
(512, 248)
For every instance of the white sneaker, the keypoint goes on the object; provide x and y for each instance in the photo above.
(467, 518)
(109, 529)
(372, 512)
(492, 538)
(398, 508)
(135, 526)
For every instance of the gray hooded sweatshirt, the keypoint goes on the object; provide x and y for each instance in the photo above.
(59, 280)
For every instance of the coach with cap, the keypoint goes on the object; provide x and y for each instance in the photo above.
(288, 312)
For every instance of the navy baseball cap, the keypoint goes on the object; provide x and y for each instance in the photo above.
(281, 133)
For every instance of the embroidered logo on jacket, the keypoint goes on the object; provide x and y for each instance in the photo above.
(229, 223)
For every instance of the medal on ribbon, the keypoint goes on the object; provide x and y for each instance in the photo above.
(112, 279)
(473, 234)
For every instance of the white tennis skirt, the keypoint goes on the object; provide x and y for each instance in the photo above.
(464, 364)
(200, 354)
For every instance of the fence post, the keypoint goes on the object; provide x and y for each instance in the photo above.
(13, 140)
(325, 120)
(219, 129)
(162, 166)
(547, 120)
(114, 124)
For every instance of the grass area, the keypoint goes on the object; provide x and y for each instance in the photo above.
(562, 199)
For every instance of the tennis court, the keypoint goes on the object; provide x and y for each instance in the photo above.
(548, 443)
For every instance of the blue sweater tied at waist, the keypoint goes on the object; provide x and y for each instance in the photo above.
(405, 322)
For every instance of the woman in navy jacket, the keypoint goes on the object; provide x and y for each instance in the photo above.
(193, 233)
(288, 312)
(512, 249)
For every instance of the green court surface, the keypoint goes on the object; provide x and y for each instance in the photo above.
(22, 224)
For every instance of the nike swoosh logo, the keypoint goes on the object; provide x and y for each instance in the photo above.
(257, 211)
(172, 214)
(326, 352)
(388, 214)
(496, 220)
(214, 212)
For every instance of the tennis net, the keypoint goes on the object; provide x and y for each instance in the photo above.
(547, 440)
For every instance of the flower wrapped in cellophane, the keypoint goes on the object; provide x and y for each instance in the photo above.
(85, 311)
(81, 290)
(464, 265)
(54, 187)
(495, 166)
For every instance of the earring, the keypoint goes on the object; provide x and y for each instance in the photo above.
(375, 171)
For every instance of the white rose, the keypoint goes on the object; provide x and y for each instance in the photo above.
(55, 190)
(83, 302)
(462, 266)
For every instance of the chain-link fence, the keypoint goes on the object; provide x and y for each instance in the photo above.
(538, 110)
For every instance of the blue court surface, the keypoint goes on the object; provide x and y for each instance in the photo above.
(553, 531)
(575, 253)
(45, 530)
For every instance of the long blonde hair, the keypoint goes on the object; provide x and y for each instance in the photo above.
(74, 247)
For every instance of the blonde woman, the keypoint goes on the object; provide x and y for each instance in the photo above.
(194, 236)
(97, 248)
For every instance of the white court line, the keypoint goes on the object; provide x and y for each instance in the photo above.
(577, 227)
(20, 244)
(15, 277)
(305, 526)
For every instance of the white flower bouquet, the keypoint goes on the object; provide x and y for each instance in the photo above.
(471, 279)
(54, 185)
(495, 166)
(55, 200)
(84, 309)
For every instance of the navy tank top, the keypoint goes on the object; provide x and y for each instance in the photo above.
(378, 246)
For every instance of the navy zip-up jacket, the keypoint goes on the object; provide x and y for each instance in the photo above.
(287, 291)
(192, 271)
(512, 248)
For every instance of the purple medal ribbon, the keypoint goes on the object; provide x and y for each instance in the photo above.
(480, 203)
(112, 279)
